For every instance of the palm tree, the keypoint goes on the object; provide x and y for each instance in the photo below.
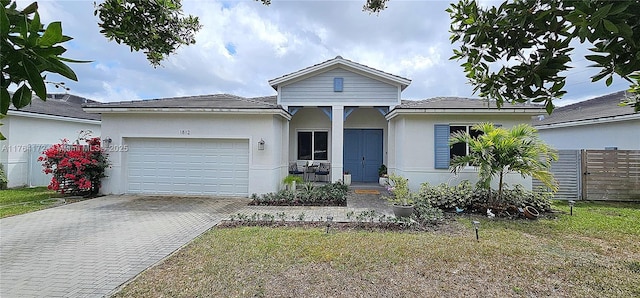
(498, 151)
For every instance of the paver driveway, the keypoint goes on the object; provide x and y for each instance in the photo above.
(91, 247)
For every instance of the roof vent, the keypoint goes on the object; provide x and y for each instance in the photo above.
(339, 57)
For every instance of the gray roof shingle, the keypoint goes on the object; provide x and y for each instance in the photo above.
(213, 101)
(596, 108)
(460, 103)
(62, 105)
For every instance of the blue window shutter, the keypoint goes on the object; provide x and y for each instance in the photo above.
(441, 141)
(337, 84)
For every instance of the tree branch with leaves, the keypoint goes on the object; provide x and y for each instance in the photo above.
(519, 51)
(156, 27)
(27, 52)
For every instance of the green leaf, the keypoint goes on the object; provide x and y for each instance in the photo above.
(619, 7)
(558, 86)
(5, 100)
(23, 26)
(33, 7)
(52, 35)
(35, 24)
(469, 21)
(73, 60)
(54, 65)
(610, 26)
(50, 51)
(537, 79)
(549, 107)
(4, 22)
(22, 97)
(600, 75)
(601, 60)
(488, 58)
(34, 78)
(609, 81)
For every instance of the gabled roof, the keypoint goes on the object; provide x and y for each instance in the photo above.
(599, 108)
(213, 101)
(336, 62)
(61, 105)
(460, 103)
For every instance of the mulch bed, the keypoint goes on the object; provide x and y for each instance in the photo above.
(299, 203)
(447, 225)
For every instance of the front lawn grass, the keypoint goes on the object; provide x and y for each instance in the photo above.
(24, 200)
(595, 253)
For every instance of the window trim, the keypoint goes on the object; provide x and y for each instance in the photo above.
(468, 130)
(313, 138)
(442, 150)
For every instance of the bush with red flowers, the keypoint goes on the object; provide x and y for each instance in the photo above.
(77, 169)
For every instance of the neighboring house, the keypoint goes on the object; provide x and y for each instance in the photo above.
(597, 123)
(32, 129)
(337, 111)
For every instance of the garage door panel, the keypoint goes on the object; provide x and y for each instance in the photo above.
(188, 166)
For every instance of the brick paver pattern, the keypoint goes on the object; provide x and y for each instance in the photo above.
(90, 248)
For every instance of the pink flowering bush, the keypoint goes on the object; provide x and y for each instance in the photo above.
(77, 169)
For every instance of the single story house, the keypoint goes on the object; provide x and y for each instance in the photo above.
(338, 112)
(34, 128)
(597, 123)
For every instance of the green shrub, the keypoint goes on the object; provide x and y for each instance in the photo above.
(334, 194)
(399, 191)
(465, 196)
(424, 213)
(3, 178)
(445, 197)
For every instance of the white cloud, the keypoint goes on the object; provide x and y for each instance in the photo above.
(409, 39)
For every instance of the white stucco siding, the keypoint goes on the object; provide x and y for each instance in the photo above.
(265, 166)
(413, 156)
(623, 134)
(358, 90)
(21, 131)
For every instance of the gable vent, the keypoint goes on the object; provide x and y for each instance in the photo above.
(338, 84)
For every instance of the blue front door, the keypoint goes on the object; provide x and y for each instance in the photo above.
(363, 153)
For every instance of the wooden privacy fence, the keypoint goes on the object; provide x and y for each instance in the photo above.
(611, 175)
(597, 175)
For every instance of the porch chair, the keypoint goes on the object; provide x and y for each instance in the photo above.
(323, 170)
(293, 169)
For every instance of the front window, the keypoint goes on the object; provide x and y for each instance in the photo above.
(462, 149)
(313, 145)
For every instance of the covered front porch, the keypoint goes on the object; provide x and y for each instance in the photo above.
(354, 142)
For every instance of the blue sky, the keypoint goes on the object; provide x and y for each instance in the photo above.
(243, 44)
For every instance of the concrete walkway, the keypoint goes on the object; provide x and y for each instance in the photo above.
(90, 248)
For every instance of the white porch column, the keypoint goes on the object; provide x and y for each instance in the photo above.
(337, 135)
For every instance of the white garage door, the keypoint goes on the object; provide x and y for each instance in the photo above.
(217, 167)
